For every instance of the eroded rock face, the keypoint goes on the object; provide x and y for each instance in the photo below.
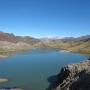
(74, 77)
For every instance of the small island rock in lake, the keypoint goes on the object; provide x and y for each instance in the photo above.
(73, 77)
(3, 80)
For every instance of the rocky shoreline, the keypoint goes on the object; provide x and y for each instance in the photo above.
(7, 88)
(3, 56)
(73, 77)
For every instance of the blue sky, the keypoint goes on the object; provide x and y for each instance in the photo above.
(41, 18)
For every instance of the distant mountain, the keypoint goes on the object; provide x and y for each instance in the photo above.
(66, 39)
(10, 42)
(79, 44)
(14, 39)
(8, 37)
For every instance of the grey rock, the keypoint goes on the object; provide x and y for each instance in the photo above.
(74, 77)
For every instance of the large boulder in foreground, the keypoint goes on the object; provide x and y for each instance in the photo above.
(74, 77)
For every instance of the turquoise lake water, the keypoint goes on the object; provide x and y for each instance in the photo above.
(31, 70)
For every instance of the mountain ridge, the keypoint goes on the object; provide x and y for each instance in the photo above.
(10, 42)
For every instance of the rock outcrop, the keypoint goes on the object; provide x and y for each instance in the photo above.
(74, 77)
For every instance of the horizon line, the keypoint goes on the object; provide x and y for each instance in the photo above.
(47, 36)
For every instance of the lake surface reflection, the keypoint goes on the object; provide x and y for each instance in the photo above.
(30, 70)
